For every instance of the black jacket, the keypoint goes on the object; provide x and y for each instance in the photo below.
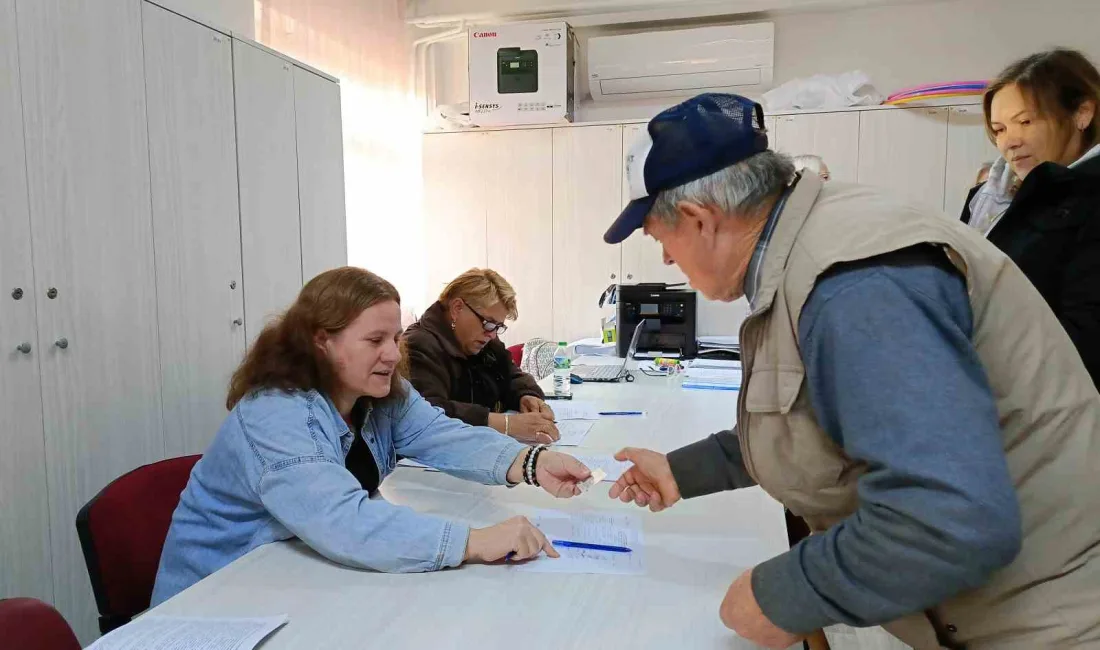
(1052, 232)
(466, 388)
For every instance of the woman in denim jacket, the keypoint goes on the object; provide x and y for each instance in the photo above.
(318, 414)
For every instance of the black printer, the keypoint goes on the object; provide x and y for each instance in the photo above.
(669, 311)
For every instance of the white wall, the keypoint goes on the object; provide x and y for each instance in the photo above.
(234, 15)
(898, 45)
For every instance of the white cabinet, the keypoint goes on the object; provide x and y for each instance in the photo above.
(832, 136)
(643, 260)
(24, 510)
(587, 197)
(903, 150)
(968, 147)
(519, 221)
(267, 171)
(87, 158)
(196, 229)
(454, 206)
(320, 173)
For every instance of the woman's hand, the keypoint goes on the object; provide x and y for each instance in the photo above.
(516, 535)
(560, 474)
(532, 428)
(532, 404)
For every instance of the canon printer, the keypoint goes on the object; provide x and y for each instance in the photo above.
(670, 319)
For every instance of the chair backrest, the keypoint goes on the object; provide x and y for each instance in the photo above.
(122, 531)
(29, 624)
(517, 353)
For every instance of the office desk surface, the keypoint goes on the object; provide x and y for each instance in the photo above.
(693, 552)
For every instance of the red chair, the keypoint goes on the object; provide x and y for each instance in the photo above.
(122, 532)
(29, 624)
(517, 353)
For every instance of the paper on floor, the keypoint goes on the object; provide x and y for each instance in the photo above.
(190, 633)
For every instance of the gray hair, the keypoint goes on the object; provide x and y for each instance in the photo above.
(741, 189)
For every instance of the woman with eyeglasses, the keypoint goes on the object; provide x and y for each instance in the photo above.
(457, 362)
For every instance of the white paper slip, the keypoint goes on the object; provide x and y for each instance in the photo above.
(188, 633)
(575, 410)
(612, 468)
(611, 529)
(408, 462)
(573, 432)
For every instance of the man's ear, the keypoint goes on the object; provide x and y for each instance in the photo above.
(698, 218)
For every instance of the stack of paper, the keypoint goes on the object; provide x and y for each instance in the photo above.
(180, 633)
(594, 347)
(730, 343)
(713, 375)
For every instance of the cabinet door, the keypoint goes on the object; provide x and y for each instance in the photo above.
(903, 150)
(587, 197)
(832, 136)
(196, 222)
(267, 170)
(454, 206)
(24, 510)
(84, 111)
(520, 225)
(643, 260)
(320, 173)
(968, 147)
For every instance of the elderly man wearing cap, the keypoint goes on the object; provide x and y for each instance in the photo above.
(905, 390)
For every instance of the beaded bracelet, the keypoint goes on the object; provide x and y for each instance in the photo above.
(531, 463)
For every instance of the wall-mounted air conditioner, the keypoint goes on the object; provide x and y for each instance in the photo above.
(732, 58)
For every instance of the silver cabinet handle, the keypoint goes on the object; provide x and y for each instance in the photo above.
(238, 321)
(612, 276)
(62, 343)
(629, 276)
(25, 348)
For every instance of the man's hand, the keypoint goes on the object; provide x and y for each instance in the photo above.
(741, 613)
(648, 483)
(532, 404)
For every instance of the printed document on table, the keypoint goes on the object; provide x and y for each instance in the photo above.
(608, 528)
(575, 410)
(190, 633)
(573, 432)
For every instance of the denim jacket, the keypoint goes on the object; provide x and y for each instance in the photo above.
(276, 471)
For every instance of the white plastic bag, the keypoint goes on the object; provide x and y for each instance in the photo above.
(823, 91)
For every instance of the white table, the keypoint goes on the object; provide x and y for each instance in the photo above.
(693, 551)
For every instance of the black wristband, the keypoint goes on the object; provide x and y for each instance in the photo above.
(535, 464)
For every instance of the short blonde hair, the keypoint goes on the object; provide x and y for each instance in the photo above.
(482, 288)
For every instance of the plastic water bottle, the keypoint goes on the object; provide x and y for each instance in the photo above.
(562, 367)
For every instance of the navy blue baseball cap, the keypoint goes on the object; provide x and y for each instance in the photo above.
(684, 143)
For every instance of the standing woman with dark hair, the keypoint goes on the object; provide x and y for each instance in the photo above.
(318, 413)
(1041, 204)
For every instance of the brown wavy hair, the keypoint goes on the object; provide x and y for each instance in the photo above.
(284, 356)
(1057, 83)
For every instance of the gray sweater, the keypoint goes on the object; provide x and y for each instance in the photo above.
(896, 382)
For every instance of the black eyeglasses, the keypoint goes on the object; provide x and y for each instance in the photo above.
(486, 324)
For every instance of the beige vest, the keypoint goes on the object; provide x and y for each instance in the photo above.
(1049, 409)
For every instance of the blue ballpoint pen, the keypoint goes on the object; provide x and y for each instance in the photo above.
(621, 412)
(592, 547)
